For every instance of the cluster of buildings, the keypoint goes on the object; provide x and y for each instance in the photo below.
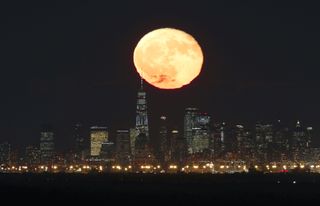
(203, 145)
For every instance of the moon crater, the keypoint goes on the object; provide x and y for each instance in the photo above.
(168, 58)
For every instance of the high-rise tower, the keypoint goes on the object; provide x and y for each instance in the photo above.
(46, 145)
(141, 113)
(98, 135)
(189, 124)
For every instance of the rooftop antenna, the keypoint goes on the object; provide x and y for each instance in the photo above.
(141, 83)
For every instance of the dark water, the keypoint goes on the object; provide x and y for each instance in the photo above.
(154, 189)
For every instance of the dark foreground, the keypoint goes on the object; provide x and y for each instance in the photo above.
(154, 189)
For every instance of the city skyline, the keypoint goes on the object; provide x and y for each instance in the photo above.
(63, 145)
(181, 102)
(70, 63)
(200, 141)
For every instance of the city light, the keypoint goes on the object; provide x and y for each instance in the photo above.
(106, 156)
(173, 167)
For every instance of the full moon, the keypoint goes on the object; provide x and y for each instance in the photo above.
(168, 58)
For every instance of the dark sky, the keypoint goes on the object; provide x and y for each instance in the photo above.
(63, 63)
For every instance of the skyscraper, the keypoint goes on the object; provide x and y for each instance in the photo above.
(244, 143)
(177, 148)
(163, 149)
(189, 124)
(142, 124)
(32, 156)
(196, 130)
(264, 140)
(218, 140)
(133, 136)
(143, 153)
(98, 135)
(280, 145)
(123, 154)
(46, 145)
(5, 153)
(201, 133)
(108, 151)
(301, 141)
(80, 142)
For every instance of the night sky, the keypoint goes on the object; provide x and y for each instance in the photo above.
(63, 63)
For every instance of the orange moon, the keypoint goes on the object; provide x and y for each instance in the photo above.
(168, 58)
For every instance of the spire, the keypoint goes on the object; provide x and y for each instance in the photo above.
(141, 83)
(298, 124)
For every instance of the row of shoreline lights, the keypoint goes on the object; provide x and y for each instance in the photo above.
(171, 167)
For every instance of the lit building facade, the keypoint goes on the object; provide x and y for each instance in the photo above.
(201, 133)
(133, 136)
(47, 145)
(142, 124)
(189, 124)
(98, 135)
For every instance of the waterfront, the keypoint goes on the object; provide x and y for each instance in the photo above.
(163, 188)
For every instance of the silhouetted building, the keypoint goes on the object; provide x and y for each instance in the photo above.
(301, 142)
(280, 148)
(264, 140)
(80, 146)
(5, 149)
(47, 145)
(314, 155)
(178, 148)
(218, 139)
(163, 149)
(123, 153)
(108, 150)
(32, 156)
(245, 143)
(143, 152)
(98, 135)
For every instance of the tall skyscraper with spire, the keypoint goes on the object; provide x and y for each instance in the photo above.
(143, 153)
(142, 124)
